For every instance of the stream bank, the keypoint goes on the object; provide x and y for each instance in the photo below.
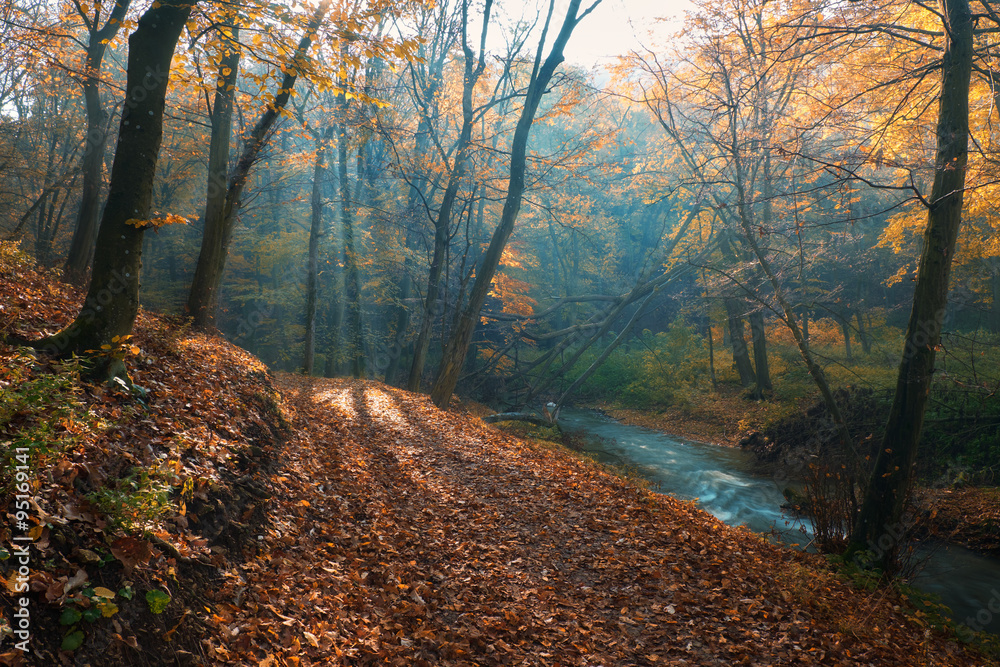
(717, 422)
(950, 510)
(728, 484)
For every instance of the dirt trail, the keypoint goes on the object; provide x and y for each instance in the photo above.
(405, 535)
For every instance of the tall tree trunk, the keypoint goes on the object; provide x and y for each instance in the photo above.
(757, 332)
(45, 211)
(737, 338)
(458, 343)
(213, 239)
(845, 326)
(430, 309)
(442, 223)
(315, 234)
(882, 510)
(203, 297)
(112, 298)
(406, 283)
(762, 372)
(352, 276)
(711, 351)
(42, 243)
(81, 248)
(866, 343)
(395, 352)
(426, 86)
(334, 312)
(335, 352)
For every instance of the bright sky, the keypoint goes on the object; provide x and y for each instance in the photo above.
(614, 28)
(619, 26)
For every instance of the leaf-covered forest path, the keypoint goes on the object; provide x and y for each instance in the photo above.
(395, 533)
(405, 535)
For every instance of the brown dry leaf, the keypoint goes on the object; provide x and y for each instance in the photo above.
(131, 552)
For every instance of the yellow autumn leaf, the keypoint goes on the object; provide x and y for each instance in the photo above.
(102, 592)
(158, 221)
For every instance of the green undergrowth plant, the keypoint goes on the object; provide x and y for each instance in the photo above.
(861, 578)
(651, 370)
(136, 501)
(925, 609)
(87, 607)
(41, 413)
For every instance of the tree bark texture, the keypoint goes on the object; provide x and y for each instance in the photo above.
(845, 326)
(866, 343)
(882, 510)
(762, 371)
(315, 235)
(737, 338)
(113, 295)
(352, 275)
(458, 343)
(203, 297)
(216, 194)
(81, 249)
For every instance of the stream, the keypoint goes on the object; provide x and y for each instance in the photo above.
(722, 481)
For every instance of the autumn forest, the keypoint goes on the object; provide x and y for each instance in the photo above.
(261, 261)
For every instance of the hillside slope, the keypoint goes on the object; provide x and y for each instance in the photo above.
(133, 504)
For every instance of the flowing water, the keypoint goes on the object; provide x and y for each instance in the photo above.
(723, 482)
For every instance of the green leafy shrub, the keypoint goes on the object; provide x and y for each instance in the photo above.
(135, 501)
(40, 413)
(157, 601)
(652, 370)
(90, 606)
(619, 370)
